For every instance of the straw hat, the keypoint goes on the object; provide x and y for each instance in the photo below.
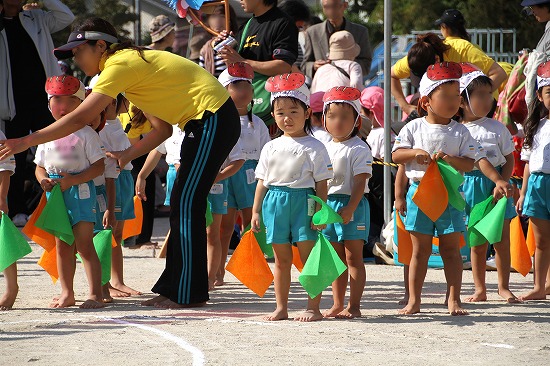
(159, 27)
(342, 46)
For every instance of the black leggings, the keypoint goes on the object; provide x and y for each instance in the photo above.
(206, 145)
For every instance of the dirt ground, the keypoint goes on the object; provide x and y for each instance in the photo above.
(230, 329)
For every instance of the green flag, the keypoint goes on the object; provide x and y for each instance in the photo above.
(322, 267)
(54, 218)
(326, 215)
(489, 227)
(452, 179)
(208, 215)
(261, 238)
(103, 244)
(13, 246)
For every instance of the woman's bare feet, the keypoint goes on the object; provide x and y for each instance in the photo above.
(154, 300)
(278, 314)
(478, 296)
(7, 301)
(349, 313)
(63, 301)
(309, 316)
(509, 296)
(411, 308)
(92, 304)
(333, 311)
(169, 304)
(121, 288)
(107, 298)
(455, 308)
(219, 282)
(534, 295)
(211, 285)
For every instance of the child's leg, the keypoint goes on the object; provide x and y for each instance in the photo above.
(406, 283)
(10, 273)
(83, 234)
(358, 275)
(541, 230)
(214, 248)
(227, 228)
(422, 249)
(503, 261)
(479, 264)
(339, 285)
(66, 267)
(449, 248)
(117, 287)
(283, 262)
(312, 312)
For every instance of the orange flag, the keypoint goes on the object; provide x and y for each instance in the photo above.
(461, 241)
(432, 196)
(404, 242)
(48, 261)
(531, 243)
(296, 260)
(133, 227)
(521, 260)
(39, 236)
(248, 264)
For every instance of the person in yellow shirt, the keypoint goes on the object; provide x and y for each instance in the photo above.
(170, 90)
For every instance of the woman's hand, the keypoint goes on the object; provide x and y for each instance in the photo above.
(11, 147)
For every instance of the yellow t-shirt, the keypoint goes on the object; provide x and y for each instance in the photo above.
(134, 132)
(168, 86)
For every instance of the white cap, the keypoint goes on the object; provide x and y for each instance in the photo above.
(236, 72)
(437, 75)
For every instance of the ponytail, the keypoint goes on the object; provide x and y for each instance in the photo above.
(537, 112)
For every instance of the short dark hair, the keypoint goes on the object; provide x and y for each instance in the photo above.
(270, 2)
(307, 125)
(296, 9)
(481, 80)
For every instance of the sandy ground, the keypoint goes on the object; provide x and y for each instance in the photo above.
(230, 330)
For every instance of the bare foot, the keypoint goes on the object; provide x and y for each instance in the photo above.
(455, 308)
(547, 290)
(404, 301)
(410, 309)
(534, 295)
(278, 314)
(349, 313)
(154, 300)
(219, 282)
(6, 302)
(169, 304)
(107, 298)
(309, 316)
(210, 285)
(477, 297)
(509, 296)
(63, 301)
(92, 304)
(125, 289)
(333, 311)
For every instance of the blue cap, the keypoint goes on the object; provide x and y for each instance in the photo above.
(534, 2)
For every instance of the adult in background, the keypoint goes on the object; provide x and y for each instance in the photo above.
(163, 34)
(299, 12)
(26, 60)
(317, 38)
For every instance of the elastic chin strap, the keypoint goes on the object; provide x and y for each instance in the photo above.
(341, 137)
(470, 104)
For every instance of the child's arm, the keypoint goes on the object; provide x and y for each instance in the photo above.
(42, 177)
(519, 203)
(460, 163)
(321, 191)
(150, 163)
(357, 191)
(229, 170)
(503, 188)
(404, 156)
(93, 171)
(4, 187)
(261, 190)
(109, 219)
(401, 190)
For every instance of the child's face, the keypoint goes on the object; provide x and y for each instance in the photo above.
(87, 57)
(62, 105)
(340, 120)
(368, 114)
(444, 101)
(290, 116)
(481, 102)
(241, 92)
(544, 96)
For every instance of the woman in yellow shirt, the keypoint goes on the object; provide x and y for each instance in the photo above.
(170, 90)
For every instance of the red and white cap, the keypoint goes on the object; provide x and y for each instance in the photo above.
(543, 75)
(469, 73)
(438, 74)
(65, 85)
(343, 94)
(288, 85)
(236, 72)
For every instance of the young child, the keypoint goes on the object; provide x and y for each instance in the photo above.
(317, 127)
(436, 136)
(400, 206)
(7, 168)
(352, 167)
(489, 177)
(237, 79)
(290, 167)
(372, 104)
(534, 200)
(73, 162)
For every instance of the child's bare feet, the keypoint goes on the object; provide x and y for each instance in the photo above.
(534, 295)
(6, 302)
(405, 300)
(122, 288)
(509, 296)
(278, 314)
(219, 282)
(63, 301)
(169, 304)
(477, 297)
(92, 304)
(455, 308)
(349, 313)
(548, 289)
(411, 308)
(211, 285)
(333, 311)
(309, 316)
(154, 300)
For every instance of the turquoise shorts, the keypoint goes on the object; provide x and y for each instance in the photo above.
(451, 221)
(287, 215)
(80, 201)
(241, 187)
(124, 202)
(170, 179)
(537, 197)
(477, 187)
(357, 228)
(218, 198)
(100, 206)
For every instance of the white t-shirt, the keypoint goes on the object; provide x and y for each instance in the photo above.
(172, 146)
(452, 139)
(8, 164)
(294, 162)
(254, 135)
(494, 137)
(376, 141)
(235, 154)
(70, 154)
(349, 158)
(538, 155)
(321, 134)
(113, 135)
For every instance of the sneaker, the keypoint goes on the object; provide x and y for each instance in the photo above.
(20, 220)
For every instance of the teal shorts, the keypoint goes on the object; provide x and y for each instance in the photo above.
(80, 201)
(537, 197)
(476, 188)
(357, 228)
(100, 206)
(287, 215)
(124, 202)
(451, 221)
(170, 179)
(218, 198)
(241, 187)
